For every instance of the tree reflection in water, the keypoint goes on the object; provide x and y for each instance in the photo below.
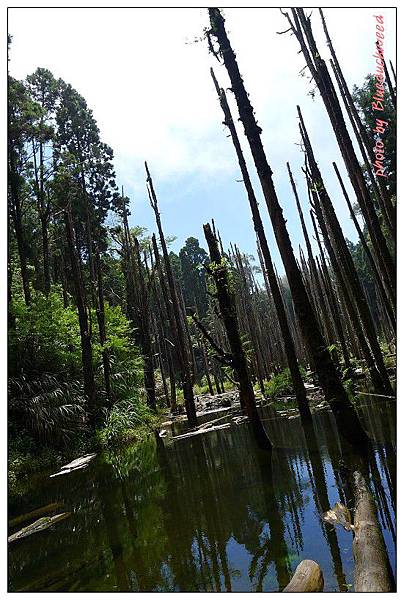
(207, 513)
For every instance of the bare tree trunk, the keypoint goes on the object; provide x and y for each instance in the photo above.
(363, 138)
(372, 568)
(329, 379)
(140, 309)
(239, 361)
(270, 274)
(368, 253)
(344, 256)
(319, 71)
(181, 340)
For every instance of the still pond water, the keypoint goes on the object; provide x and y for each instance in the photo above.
(205, 513)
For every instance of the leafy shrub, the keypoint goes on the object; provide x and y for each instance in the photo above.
(46, 336)
(50, 411)
(281, 384)
(124, 420)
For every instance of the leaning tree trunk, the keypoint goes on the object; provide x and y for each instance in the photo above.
(227, 307)
(329, 379)
(349, 301)
(318, 68)
(181, 339)
(289, 348)
(379, 283)
(315, 273)
(344, 256)
(372, 568)
(139, 305)
(363, 138)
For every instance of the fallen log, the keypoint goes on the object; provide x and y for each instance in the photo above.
(200, 431)
(308, 577)
(372, 568)
(44, 510)
(75, 465)
(39, 525)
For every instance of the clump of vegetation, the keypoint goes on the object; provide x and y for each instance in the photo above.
(125, 422)
(46, 396)
(281, 384)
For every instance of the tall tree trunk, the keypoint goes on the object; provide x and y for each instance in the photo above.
(367, 251)
(139, 302)
(363, 138)
(239, 361)
(86, 347)
(344, 256)
(329, 379)
(16, 216)
(181, 340)
(349, 301)
(270, 274)
(319, 72)
(312, 264)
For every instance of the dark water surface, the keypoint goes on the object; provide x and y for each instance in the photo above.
(206, 513)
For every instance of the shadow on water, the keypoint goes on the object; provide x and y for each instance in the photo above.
(208, 513)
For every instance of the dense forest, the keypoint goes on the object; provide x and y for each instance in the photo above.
(111, 333)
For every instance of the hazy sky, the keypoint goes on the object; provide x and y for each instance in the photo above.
(148, 83)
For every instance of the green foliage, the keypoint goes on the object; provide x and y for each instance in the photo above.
(127, 420)
(362, 97)
(23, 463)
(46, 336)
(51, 411)
(192, 258)
(281, 384)
(46, 339)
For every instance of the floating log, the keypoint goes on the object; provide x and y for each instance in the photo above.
(39, 525)
(372, 568)
(200, 431)
(35, 513)
(75, 465)
(308, 577)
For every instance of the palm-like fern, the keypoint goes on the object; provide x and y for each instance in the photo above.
(48, 408)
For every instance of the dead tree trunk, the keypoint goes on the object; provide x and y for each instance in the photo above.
(225, 298)
(167, 322)
(329, 379)
(181, 339)
(318, 68)
(313, 267)
(368, 253)
(372, 568)
(363, 138)
(308, 577)
(270, 273)
(349, 301)
(344, 256)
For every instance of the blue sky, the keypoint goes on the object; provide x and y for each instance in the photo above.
(148, 83)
